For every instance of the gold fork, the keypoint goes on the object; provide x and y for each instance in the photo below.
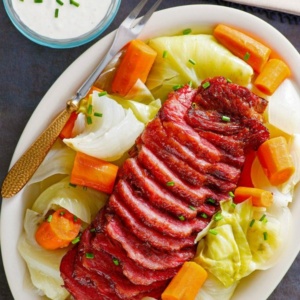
(28, 163)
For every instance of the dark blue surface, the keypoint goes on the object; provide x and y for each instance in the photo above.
(27, 71)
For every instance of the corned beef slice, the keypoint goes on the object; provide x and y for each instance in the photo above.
(187, 160)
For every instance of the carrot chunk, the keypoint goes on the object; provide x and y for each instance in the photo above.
(259, 197)
(93, 172)
(186, 283)
(135, 64)
(68, 128)
(58, 230)
(276, 160)
(272, 75)
(245, 47)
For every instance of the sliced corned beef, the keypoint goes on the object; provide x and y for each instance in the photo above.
(186, 161)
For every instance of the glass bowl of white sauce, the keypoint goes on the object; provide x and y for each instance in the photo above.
(61, 23)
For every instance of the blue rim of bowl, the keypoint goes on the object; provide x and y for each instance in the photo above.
(62, 43)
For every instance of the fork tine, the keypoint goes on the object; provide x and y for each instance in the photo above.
(135, 12)
(147, 16)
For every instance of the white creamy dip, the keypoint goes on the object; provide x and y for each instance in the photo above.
(60, 19)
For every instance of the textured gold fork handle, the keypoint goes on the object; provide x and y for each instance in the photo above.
(27, 164)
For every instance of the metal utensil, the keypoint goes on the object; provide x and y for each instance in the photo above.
(28, 163)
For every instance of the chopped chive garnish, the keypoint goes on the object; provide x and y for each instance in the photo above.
(89, 120)
(192, 207)
(252, 222)
(56, 13)
(231, 194)
(62, 213)
(229, 80)
(225, 119)
(213, 231)
(76, 240)
(190, 83)
(170, 183)
(177, 87)
(246, 56)
(96, 114)
(38, 1)
(72, 185)
(59, 2)
(181, 218)
(204, 215)
(90, 109)
(211, 200)
(262, 218)
(186, 31)
(233, 205)
(218, 216)
(89, 255)
(100, 94)
(206, 84)
(116, 261)
(265, 236)
(49, 219)
(93, 230)
(191, 61)
(75, 218)
(165, 54)
(74, 3)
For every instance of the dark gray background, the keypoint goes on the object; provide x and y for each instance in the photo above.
(27, 71)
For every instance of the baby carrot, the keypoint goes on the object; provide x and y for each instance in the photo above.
(243, 46)
(272, 75)
(259, 197)
(135, 64)
(93, 172)
(186, 283)
(276, 160)
(58, 230)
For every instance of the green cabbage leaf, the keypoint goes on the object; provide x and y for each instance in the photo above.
(240, 239)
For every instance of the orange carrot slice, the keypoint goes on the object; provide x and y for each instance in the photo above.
(276, 160)
(58, 230)
(135, 64)
(259, 197)
(66, 132)
(186, 283)
(245, 47)
(272, 75)
(93, 172)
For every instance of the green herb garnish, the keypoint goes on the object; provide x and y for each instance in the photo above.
(76, 240)
(225, 119)
(89, 255)
(74, 3)
(191, 61)
(186, 31)
(246, 56)
(213, 231)
(181, 218)
(206, 84)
